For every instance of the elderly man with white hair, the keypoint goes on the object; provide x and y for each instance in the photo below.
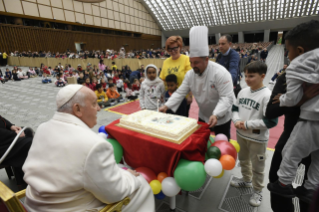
(70, 168)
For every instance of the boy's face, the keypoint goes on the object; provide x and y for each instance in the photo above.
(113, 88)
(293, 51)
(87, 81)
(151, 73)
(171, 86)
(110, 81)
(99, 90)
(254, 79)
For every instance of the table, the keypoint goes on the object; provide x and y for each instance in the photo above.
(160, 156)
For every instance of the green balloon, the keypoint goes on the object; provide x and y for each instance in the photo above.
(118, 149)
(214, 152)
(190, 175)
(210, 141)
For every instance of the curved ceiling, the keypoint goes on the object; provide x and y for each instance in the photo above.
(183, 14)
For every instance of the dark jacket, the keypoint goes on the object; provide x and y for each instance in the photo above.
(182, 109)
(7, 135)
(232, 63)
(263, 54)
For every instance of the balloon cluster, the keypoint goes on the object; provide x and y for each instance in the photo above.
(162, 185)
(221, 155)
(102, 132)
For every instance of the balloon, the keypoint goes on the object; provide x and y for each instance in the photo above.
(118, 149)
(156, 186)
(213, 167)
(147, 173)
(160, 195)
(210, 141)
(221, 137)
(227, 161)
(161, 176)
(226, 148)
(190, 175)
(213, 152)
(236, 145)
(102, 129)
(103, 135)
(170, 187)
(222, 174)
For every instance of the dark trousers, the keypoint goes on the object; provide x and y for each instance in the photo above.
(132, 97)
(224, 128)
(279, 203)
(188, 107)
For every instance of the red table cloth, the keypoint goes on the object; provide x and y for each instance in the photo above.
(159, 155)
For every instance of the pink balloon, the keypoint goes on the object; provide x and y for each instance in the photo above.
(221, 137)
(124, 168)
(147, 173)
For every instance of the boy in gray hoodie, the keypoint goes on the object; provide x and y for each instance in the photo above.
(152, 89)
(303, 45)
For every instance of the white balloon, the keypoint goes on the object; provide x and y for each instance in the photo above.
(103, 135)
(213, 167)
(170, 187)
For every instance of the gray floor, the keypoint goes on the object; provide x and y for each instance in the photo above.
(29, 103)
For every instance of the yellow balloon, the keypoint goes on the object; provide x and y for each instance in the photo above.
(222, 174)
(236, 145)
(156, 186)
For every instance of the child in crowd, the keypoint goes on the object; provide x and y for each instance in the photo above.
(303, 46)
(21, 75)
(110, 81)
(129, 93)
(125, 84)
(136, 85)
(113, 66)
(102, 98)
(40, 72)
(89, 84)
(104, 85)
(45, 78)
(141, 80)
(119, 85)
(98, 78)
(112, 94)
(15, 75)
(59, 81)
(46, 70)
(31, 72)
(171, 82)
(94, 83)
(115, 78)
(60, 66)
(81, 79)
(8, 75)
(152, 89)
(252, 130)
(36, 70)
(79, 69)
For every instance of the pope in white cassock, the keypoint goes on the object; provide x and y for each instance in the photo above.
(210, 83)
(71, 168)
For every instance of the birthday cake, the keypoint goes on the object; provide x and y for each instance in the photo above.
(161, 125)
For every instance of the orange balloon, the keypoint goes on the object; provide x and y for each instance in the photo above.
(228, 162)
(161, 176)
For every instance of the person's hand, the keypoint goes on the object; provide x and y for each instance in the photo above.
(189, 99)
(21, 135)
(212, 121)
(276, 99)
(310, 91)
(242, 125)
(237, 124)
(133, 172)
(163, 109)
(15, 128)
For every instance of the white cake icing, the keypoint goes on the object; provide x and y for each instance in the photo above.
(161, 124)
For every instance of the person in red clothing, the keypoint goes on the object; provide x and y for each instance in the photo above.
(136, 85)
(45, 70)
(94, 83)
(115, 78)
(103, 83)
(88, 84)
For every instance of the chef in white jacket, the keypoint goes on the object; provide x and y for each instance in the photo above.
(70, 168)
(210, 83)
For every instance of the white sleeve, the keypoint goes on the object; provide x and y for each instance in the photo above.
(235, 110)
(293, 95)
(104, 179)
(224, 86)
(141, 97)
(175, 100)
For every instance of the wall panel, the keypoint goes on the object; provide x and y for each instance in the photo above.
(22, 38)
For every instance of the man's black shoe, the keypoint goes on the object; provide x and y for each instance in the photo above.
(304, 194)
(284, 191)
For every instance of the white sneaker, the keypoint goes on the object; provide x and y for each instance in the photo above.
(240, 183)
(256, 198)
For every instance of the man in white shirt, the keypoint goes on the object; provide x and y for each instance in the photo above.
(70, 168)
(210, 83)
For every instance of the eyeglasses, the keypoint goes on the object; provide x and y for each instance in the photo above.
(172, 49)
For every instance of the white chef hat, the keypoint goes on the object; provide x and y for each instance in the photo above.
(198, 41)
(66, 93)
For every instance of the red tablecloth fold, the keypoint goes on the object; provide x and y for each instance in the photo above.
(156, 154)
